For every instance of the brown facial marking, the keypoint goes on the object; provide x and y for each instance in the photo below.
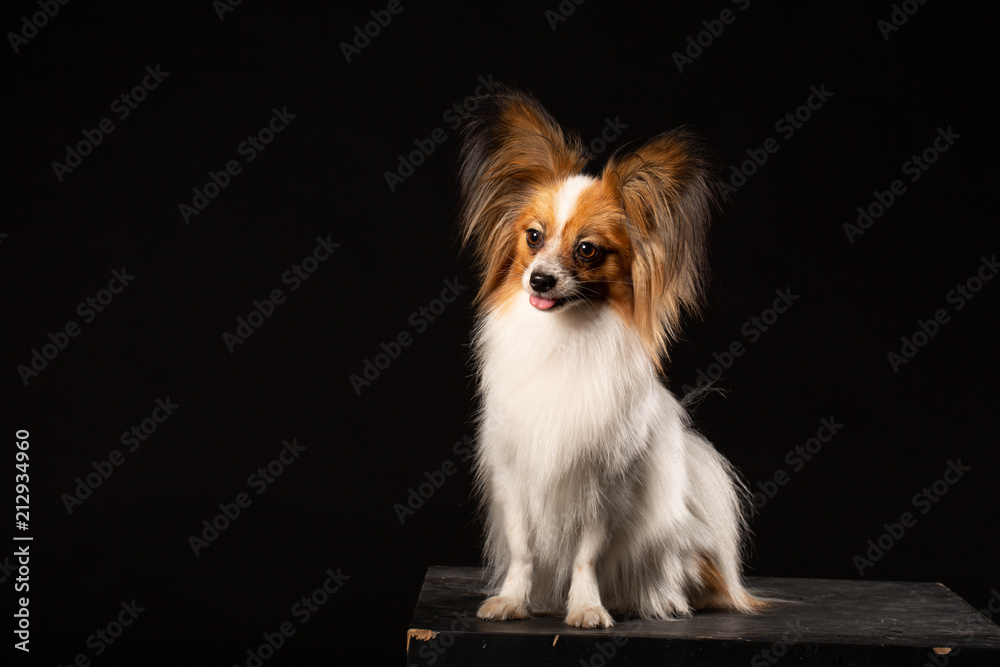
(598, 220)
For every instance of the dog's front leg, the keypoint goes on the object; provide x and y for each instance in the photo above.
(585, 608)
(512, 602)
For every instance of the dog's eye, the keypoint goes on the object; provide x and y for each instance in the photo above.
(586, 251)
(534, 237)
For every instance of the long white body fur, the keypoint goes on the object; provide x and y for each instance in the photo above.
(597, 491)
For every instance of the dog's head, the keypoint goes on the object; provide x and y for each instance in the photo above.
(631, 238)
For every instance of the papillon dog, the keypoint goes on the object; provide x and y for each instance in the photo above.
(597, 493)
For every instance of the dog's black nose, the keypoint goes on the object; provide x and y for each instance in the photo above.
(541, 282)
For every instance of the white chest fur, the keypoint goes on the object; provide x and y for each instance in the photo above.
(562, 390)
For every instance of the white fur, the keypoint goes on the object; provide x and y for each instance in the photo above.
(567, 195)
(597, 491)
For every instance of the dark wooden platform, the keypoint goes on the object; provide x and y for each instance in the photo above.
(825, 622)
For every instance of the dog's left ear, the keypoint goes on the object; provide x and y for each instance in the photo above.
(665, 189)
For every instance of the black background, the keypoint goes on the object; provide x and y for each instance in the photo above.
(324, 176)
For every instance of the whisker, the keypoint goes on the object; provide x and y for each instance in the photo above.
(615, 282)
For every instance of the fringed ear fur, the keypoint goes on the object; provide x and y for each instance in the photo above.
(667, 196)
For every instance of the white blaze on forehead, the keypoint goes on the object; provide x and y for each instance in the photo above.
(566, 197)
(564, 204)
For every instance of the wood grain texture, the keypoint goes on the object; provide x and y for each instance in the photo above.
(819, 622)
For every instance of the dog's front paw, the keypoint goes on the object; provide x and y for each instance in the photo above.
(500, 608)
(594, 616)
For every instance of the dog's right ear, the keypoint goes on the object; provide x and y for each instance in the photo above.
(511, 148)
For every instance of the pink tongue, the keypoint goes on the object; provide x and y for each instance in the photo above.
(541, 303)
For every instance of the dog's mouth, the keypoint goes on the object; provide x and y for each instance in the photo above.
(547, 303)
(542, 303)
